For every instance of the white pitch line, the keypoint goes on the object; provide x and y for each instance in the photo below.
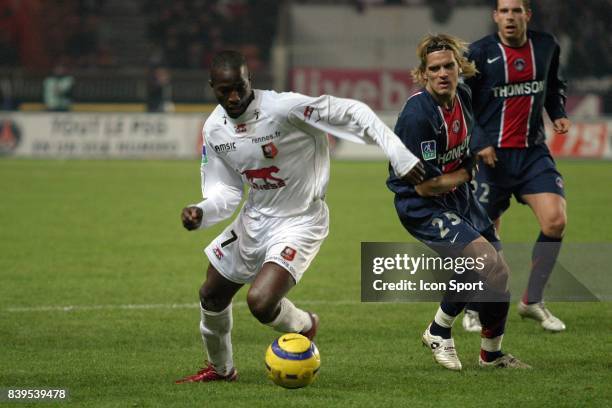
(77, 308)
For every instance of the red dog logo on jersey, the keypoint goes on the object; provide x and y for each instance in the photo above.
(264, 174)
(288, 253)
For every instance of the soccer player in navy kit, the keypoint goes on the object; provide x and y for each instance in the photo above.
(518, 76)
(442, 212)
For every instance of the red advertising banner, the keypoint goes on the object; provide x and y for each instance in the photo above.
(383, 90)
(584, 140)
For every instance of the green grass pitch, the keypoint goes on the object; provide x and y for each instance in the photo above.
(102, 235)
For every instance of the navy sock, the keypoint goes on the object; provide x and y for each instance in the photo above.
(473, 306)
(543, 259)
(452, 308)
(437, 330)
(489, 356)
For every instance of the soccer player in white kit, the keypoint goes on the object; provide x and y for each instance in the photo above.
(275, 143)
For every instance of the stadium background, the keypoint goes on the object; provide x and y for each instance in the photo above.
(98, 279)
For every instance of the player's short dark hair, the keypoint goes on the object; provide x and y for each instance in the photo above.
(526, 4)
(227, 59)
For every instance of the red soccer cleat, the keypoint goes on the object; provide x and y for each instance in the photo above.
(313, 328)
(209, 374)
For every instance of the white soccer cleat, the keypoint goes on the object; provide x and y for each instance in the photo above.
(471, 321)
(505, 361)
(443, 350)
(540, 313)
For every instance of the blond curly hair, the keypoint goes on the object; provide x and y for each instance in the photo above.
(438, 42)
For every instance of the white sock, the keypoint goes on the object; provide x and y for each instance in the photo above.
(290, 319)
(216, 329)
(491, 345)
(443, 319)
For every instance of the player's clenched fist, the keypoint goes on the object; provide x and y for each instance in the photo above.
(191, 217)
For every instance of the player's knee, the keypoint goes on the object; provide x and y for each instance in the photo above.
(495, 270)
(261, 305)
(488, 257)
(554, 226)
(211, 300)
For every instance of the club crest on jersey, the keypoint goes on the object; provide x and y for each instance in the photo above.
(519, 64)
(269, 150)
(428, 149)
(456, 126)
(265, 175)
(288, 253)
(240, 128)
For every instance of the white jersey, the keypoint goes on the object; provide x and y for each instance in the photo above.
(279, 148)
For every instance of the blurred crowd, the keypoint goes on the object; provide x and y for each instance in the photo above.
(581, 28)
(37, 33)
(186, 33)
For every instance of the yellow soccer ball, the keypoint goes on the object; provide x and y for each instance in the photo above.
(292, 361)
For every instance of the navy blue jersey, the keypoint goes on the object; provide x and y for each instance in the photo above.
(512, 88)
(438, 137)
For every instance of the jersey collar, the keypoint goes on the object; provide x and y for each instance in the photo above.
(252, 111)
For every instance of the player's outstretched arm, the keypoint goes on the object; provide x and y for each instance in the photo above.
(355, 121)
(443, 184)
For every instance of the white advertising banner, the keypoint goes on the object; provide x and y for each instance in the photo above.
(100, 135)
(177, 136)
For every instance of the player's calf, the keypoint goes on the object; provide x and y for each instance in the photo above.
(263, 306)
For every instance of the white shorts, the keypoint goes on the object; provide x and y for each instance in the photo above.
(254, 239)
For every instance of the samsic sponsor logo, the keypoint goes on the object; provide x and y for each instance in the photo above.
(225, 147)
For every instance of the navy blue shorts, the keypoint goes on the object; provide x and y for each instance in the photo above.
(517, 172)
(451, 222)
